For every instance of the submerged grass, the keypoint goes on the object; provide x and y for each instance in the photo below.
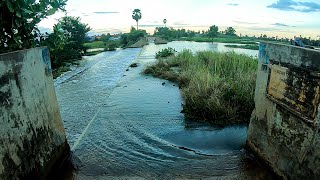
(216, 87)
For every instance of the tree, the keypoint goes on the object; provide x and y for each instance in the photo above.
(75, 32)
(56, 42)
(136, 15)
(66, 42)
(230, 31)
(105, 38)
(132, 37)
(213, 31)
(132, 29)
(18, 21)
(165, 22)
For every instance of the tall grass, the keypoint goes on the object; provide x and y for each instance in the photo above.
(216, 87)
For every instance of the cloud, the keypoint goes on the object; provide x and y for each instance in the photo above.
(233, 4)
(268, 29)
(291, 5)
(280, 24)
(105, 31)
(154, 22)
(150, 25)
(243, 22)
(180, 23)
(106, 12)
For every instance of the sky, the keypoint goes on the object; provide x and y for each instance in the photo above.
(282, 18)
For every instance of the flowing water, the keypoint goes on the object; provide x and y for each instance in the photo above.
(123, 124)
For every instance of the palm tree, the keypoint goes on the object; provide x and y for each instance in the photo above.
(136, 15)
(165, 22)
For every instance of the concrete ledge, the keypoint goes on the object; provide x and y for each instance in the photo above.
(278, 132)
(32, 136)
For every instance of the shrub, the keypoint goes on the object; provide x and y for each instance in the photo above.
(164, 53)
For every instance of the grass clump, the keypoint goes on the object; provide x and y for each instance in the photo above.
(216, 87)
(164, 53)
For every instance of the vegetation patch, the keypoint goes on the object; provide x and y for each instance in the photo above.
(164, 53)
(247, 46)
(216, 87)
(95, 44)
(57, 72)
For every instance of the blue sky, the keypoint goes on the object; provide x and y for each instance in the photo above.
(283, 18)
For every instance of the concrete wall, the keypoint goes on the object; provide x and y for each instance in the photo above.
(32, 136)
(284, 125)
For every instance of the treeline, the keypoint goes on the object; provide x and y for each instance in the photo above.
(228, 33)
(213, 31)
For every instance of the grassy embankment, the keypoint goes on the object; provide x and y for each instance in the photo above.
(216, 87)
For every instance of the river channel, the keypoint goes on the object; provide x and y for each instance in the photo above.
(122, 124)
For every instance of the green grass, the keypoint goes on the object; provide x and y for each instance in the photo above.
(247, 46)
(216, 87)
(95, 44)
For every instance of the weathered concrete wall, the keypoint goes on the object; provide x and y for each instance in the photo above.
(284, 125)
(32, 136)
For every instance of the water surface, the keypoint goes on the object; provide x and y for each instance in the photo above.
(121, 123)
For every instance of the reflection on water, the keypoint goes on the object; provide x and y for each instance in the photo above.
(123, 124)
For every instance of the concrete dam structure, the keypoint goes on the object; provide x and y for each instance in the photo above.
(284, 127)
(32, 136)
